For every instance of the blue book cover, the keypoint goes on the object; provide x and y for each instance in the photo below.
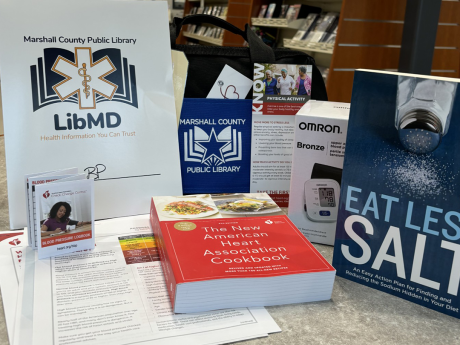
(398, 228)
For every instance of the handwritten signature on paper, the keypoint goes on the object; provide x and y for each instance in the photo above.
(95, 171)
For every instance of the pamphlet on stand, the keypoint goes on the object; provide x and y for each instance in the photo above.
(65, 217)
(32, 181)
(82, 95)
(279, 91)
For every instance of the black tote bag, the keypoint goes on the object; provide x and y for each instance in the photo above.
(206, 62)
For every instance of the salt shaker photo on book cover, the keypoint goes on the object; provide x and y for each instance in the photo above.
(398, 228)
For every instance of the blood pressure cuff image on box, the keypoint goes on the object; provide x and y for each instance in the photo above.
(326, 172)
(215, 145)
(322, 193)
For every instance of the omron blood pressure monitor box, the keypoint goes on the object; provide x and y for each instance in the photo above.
(319, 147)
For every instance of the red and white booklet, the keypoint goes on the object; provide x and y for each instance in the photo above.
(238, 252)
(64, 213)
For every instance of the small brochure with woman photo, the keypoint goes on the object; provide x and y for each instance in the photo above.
(31, 181)
(281, 89)
(65, 217)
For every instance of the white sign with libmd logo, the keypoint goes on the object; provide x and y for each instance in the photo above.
(83, 87)
(319, 148)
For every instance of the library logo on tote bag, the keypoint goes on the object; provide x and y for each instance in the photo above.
(82, 77)
(213, 149)
(215, 145)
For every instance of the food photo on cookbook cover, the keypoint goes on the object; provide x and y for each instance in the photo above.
(224, 205)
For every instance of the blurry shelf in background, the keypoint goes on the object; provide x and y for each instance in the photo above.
(278, 23)
(214, 41)
(221, 17)
(236, 12)
(323, 48)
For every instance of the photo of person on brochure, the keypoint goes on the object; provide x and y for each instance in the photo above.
(59, 221)
(285, 83)
(270, 83)
(287, 80)
(282, 89)
(303, 83)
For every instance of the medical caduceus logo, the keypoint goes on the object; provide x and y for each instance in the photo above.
(84, 78)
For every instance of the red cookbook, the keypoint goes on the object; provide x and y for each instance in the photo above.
(213, 258)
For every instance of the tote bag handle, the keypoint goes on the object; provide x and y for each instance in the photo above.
(258, 50)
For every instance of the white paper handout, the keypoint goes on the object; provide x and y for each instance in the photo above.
(116, 294)
(23, 323)
(82, 86)
(12, 245)
(230, 84)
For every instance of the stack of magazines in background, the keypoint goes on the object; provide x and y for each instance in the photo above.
(317, 33)
(319, 28)
(206, 31)
(288, 13)
(218, 11)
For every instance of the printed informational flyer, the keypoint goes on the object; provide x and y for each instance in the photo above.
(23, 322)
(116, 294)
(12, 244)
(279, 91)
(95, 94)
